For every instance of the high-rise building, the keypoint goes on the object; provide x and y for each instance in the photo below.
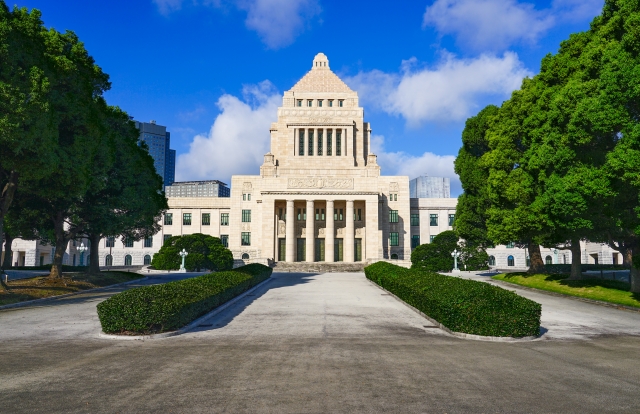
(210, 188)
(430, 187)
(158, 140)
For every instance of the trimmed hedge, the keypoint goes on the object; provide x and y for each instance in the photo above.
(461, 305)
(170, 306)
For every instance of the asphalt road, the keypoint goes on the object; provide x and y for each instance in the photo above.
(318, 343)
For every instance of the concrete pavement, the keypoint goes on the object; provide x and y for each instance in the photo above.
(318, 343)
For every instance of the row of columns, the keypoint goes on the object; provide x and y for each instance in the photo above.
(334, 146)
(329, 241)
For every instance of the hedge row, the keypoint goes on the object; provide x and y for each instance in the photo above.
(461, 305)
(170, 306)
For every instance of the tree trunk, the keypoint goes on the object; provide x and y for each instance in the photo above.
(6, 198)
(61, 247)
(94, 263)
(576, 260)
(537, 265)
(634, 272)
(8, 253)
(627, 257)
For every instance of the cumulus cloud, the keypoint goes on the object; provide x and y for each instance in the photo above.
(277, 22)
(401, 163)
(450, 91)
(238, 138)
(497, 24)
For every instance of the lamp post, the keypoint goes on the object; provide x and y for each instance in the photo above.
(184, 254)
(82, 249)
(455, 254)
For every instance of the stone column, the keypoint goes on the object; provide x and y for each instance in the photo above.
(349, 233)
(310, 231)
(290, 232)
(329, 238)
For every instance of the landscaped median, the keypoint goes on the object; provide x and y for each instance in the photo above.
(460, 305)
(611, 291)
(170, 306)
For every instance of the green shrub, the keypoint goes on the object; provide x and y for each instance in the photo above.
(461, 305)
(436, 256)
(170, 306)
(205, 252)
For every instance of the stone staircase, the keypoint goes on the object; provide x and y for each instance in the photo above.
(318, 267)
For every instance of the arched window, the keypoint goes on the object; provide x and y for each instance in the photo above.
(394, 256)
(127, 260)
(108, 261)
(147, 259)
(245, 256)
(548, 260)
(492, 261)
(511, 261)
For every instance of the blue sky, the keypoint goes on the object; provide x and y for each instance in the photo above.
(213, 71)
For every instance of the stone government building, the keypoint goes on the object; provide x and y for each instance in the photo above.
(319, 197)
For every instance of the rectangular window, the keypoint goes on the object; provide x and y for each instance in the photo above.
(317, 214)
(299, 214)
(186, 219)
(244, 197)
(395, 197)
(394, 239)
(415, 219)
(415, 241)
(166, 237)
(322, 214)
(206, 219)
(246, 238)
(309, 102)
(128, 242)
(224, 219)
(511, 245)
(393, 216)
(337, 215)
(168, 219)
(452, 217)
(310, 142)
(299, 102)
(246, 216)
(301, 142)
(329, 133)
(319, 103)
(280, 216)
(433, 219)
(224, 238)
(148, 241)
(431, 238)
(338, 143)
(110, 242)
(358, 215)
(340, 103)
(330, 102)
(319, 142)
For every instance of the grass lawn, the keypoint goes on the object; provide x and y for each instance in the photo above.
(42, 287)
(605, 290)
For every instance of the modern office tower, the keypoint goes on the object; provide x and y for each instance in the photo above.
(158, 140)
(430, 187)
(211, 188)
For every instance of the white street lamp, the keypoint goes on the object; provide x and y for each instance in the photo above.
(82, 249)
(184, 254)
(455, 254)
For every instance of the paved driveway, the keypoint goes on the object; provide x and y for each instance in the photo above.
(317, 343)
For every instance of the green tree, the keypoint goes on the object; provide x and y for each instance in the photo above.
(436, 256)
(205, 252)
(26, 133)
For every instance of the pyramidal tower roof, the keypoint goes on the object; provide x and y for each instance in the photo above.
(320, 78)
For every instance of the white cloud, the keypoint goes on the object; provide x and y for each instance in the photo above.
(167, 6)
(448, 92)
(238, 139)
(278, 22)
(401, 163)
(497, 24)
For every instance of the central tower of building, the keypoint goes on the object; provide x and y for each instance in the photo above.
(319, 196)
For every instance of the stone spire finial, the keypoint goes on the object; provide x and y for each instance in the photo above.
(320, 61)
